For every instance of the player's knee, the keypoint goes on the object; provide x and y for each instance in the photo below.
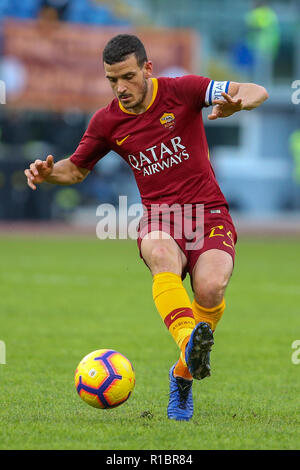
(210, 292)
(160, 254)
(163, 259)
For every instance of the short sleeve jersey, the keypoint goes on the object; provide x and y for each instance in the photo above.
(165, 146)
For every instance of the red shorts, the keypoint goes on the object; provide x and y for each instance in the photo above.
(205, 229)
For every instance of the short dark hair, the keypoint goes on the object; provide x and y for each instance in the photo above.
(121, 46)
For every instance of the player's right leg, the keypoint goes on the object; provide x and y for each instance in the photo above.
(166, 262)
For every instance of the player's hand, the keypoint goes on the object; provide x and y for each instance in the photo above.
(39, 171)
(226, 107)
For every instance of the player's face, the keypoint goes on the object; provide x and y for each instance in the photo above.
(129, 82)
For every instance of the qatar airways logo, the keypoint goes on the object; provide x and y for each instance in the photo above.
(159, 157)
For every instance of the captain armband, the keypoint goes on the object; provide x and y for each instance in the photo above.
(214, 91)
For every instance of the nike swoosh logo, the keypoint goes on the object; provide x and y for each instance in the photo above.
(177, 313)
(120, 142)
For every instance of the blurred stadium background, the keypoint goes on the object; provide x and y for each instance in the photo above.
(50, 62)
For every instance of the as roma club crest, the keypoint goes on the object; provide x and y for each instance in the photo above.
(168, 120)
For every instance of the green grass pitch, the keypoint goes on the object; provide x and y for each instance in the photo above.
(63, 298)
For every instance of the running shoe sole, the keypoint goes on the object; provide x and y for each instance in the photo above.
(198, 349)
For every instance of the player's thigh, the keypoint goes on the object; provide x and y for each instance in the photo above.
(211, 275)
(162, 254)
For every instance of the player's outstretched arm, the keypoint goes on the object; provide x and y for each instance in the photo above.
(240, 96)
(62, 172)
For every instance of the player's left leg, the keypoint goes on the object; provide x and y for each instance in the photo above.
(210, 278)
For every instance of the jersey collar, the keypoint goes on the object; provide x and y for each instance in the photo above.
(154, 93)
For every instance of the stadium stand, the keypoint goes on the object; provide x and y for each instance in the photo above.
(75, 11)
(23, 10)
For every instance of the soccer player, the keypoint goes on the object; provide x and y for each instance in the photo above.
(155, 125)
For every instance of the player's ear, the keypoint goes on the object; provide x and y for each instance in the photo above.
(147, 68)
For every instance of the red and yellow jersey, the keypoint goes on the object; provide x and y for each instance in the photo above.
(165, 146)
